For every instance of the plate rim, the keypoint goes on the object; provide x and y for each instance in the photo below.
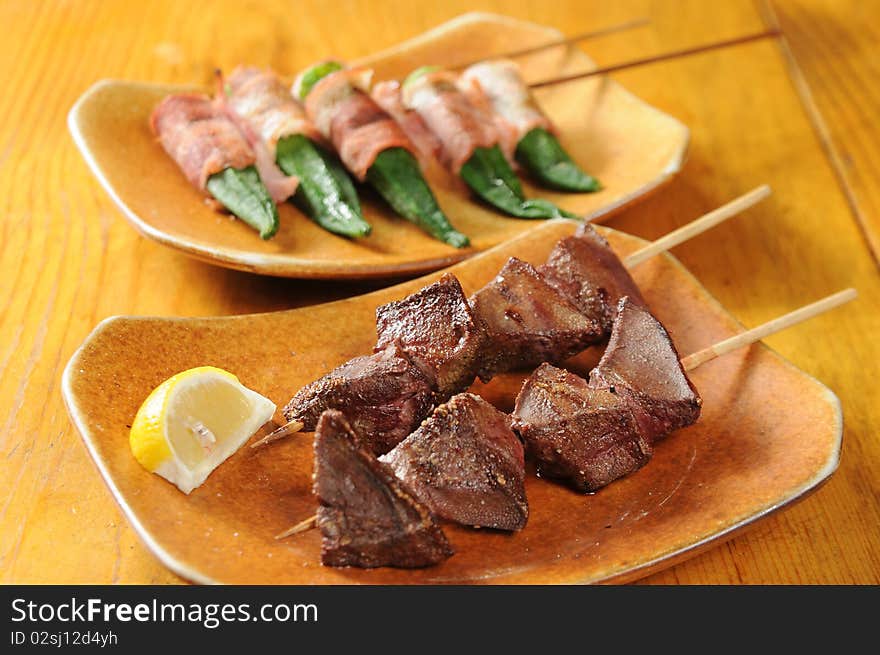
(658, 563)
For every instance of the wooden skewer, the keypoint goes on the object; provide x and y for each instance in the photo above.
(583, 36)
(302, 526)
(664, 57)
(702, 356)
(771, 327)
(285, 430)
(698, 226)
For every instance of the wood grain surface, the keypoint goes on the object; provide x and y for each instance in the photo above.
(68, 259)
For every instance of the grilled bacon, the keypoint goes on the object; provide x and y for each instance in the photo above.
(200, 137)
(343, 111)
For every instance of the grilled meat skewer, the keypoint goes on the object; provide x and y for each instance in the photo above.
(448, 339)
(592, 433)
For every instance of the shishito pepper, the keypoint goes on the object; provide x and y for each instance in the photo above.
(325, 192)
(243, 193)
(540, 153)
(394, 172)
(396, 176)
(486, 171)
(489, 176)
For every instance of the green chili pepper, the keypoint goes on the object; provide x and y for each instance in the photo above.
(489, 175)
(325, 192)
(242, 192)
(311, 76)
(396, 176)
(541, 154)
(417, 73)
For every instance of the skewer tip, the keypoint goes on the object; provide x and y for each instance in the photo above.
(302, 526)
(284, 431)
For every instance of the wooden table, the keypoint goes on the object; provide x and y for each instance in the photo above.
(800, 115)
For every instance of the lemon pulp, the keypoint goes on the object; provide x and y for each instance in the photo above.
(193, 422)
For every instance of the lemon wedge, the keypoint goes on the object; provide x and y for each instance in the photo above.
(192, 422)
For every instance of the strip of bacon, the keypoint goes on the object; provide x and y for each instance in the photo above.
(458, 124)
(342, 110)
(200, 137)
(256, 102)
(499, 83)
(388, 96)
(263, 100)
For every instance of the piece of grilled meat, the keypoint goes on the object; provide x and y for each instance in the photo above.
(587, 437)
(641, 364)
(385, 396)
(588, 273)
(368, 517)
(466, 464)
(528, 322)
(592, 433)
(435, 326)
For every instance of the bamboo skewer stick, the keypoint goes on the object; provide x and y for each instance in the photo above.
(675, 54)
(285, 430)
(698, 226)
(691, 362)
(583, 36)
(302, 526)
(766, 329)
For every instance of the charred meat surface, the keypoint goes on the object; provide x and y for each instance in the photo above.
(466, 464)
(384, 395)
(528, 322)
(585, 436)
(642, 364)
(435, 326)
(368, 517)
(588, 273)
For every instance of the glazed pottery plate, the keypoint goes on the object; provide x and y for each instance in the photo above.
(747, 456)
(630, 146)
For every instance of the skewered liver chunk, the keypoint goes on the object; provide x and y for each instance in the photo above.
(642, 364)
(588, 437)
(435, 326)
(588, 273)
(528, 322)
(368, 517)
(385, 396)
(466, 464)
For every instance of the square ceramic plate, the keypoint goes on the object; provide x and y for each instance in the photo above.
(768, 434)
(631, 147)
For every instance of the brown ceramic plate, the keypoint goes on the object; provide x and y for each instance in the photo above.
(748, 455)
(631, 147)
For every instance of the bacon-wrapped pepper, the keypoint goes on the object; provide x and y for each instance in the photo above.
(499, 84)
(473, 142)
(216, 157)
(262, 105)
(373, 147)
